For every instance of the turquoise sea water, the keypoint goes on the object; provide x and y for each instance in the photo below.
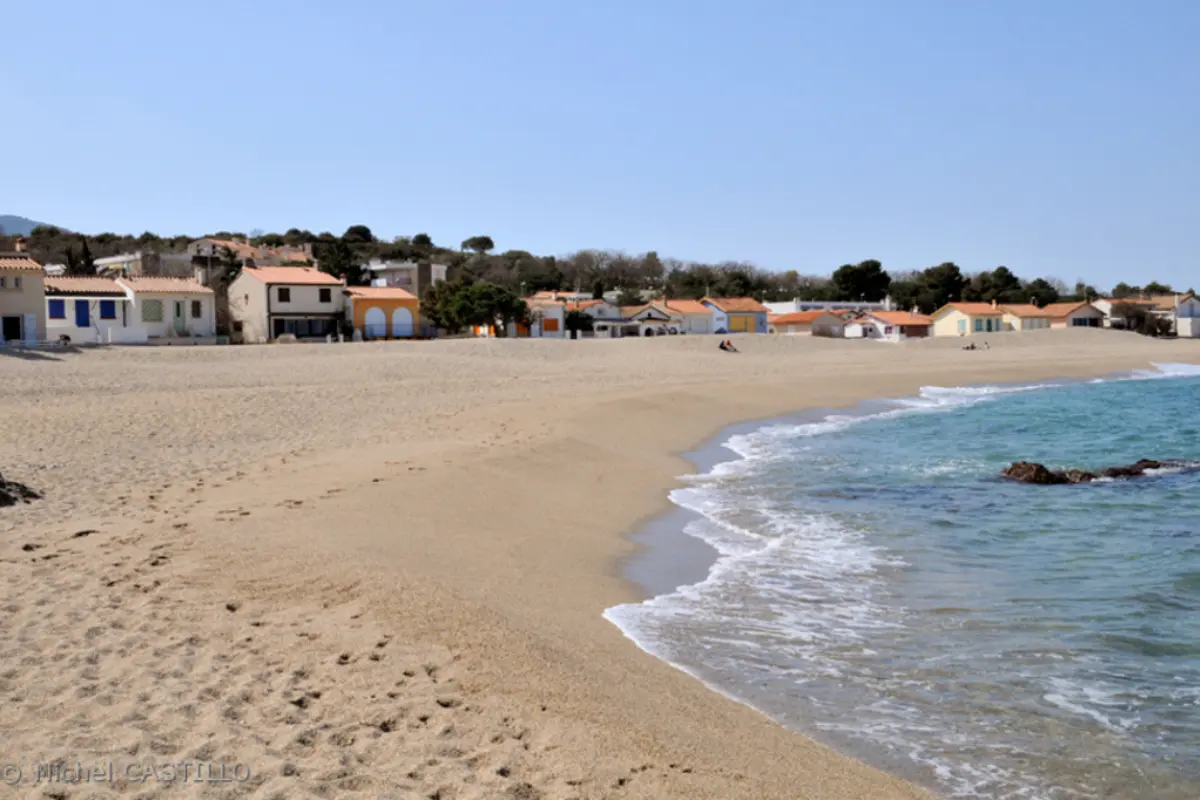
(880, 588)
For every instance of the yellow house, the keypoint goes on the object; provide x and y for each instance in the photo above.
(1026, 317)
(964, 319)
(383, 312)
(22, 298)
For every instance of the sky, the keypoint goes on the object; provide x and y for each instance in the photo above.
(1058, 137)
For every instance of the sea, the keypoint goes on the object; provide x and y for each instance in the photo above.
(878, 586)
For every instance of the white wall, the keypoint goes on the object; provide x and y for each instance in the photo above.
(305, 299)
(124, 329)
(173, 304)
(697, 323)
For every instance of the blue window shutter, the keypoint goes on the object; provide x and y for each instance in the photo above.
(58, 309)
(108, 309)
(83, 319)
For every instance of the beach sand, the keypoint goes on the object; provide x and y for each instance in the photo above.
(378, 570)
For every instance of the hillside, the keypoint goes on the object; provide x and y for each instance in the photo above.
(13, 225)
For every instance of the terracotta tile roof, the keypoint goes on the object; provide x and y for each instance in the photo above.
(1137, 301)
(296, 276)
(19, 261)
(736, 305)
(899, 318)
(379, 293)
(1064, 309)
(580, 305)
(688, 307)
(629, 311)
(1026, 311)
(84, 285)
(974, 309)
(159, 285)
(797, 317)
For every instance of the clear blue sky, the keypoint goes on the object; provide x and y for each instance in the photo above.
(1056, 137)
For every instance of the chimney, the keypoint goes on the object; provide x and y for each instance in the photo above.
(993, 303)
(19, 244)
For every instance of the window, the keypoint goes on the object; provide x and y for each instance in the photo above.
(978, 324)
(285, 295)
(58, 309)
(326, 296)
(962, 326)
(3, 281)
(197, 309)
(549, 325)
(152, 311)
(108, 309)
(887, 330)
(17, 282)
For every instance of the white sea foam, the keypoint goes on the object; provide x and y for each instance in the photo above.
(769, 552)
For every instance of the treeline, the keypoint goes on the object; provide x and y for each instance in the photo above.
(598, 271)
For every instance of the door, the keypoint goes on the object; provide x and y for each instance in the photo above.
(278, 328)
(10, 329)
(402, 323)
(180, 322)
(82, 317)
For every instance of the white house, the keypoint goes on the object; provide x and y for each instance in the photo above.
(797, 306)
(412, 276)
(1187, 316)
(91, 310)
(808, 323)
(268, 302)
(695, 317)
(652, 319)
(889, 326)
(172, 310)
(549, 318)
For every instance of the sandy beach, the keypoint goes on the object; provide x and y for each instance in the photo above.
(378, 570)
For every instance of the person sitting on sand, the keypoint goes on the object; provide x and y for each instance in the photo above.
(721, 345)
(729, 346)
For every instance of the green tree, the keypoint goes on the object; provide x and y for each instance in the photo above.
(87, 264)
(629, 297)
(1041, 292)
(577, 321)
(1123, 290)
(866, 280)
(940, 285)
(338, 258)
(1156, 288)
(422, 241)
(479, 244)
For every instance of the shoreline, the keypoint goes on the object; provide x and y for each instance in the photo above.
(479, 529)
(670, 558)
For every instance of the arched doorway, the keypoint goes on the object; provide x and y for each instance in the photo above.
(402, 323)
(375, 324)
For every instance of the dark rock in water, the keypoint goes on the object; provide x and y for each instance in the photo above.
(1032, 472)
(12, 493)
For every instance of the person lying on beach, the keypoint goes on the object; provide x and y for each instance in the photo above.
(970, 346)
(728, 347)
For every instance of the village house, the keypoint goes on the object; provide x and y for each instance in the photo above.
(1025, 317)
(382, 312)
(412, 276)
(172, 310)
(807, 323)
(694, 316)
(889, 326)
(22, 298)
(737, 314)
(1074, 315)
(144, 263)
(154, 310)
(549, 317)
(798, 305)
(90, 310)
(964, 319)
(1108, 305)
(268, 302)
(652, 319)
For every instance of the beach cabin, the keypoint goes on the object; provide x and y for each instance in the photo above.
(1107, 305)
(890, 326)
(694, 316)
(1187, 316)
(549, 317)
(268, 302)
(807, 323)
(737, 314)
(382, 312)
(171, 310)
(1074, 315)
(91, 310)
(1025, 317)
(22, 298)
(965, 319)
(652, 319)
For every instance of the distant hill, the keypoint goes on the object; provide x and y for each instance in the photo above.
(13, 225)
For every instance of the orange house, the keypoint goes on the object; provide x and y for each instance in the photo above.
(383, 312)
